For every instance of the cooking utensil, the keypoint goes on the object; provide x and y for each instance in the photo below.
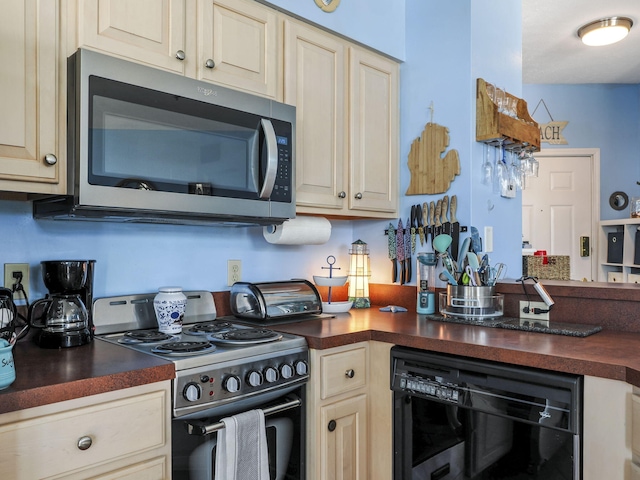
(470, 275)
(442, 242)
(476, 241)
(391, 244)
(408, 238)
(472, 258)
(400, 250)
(455, 227)
(448, 277)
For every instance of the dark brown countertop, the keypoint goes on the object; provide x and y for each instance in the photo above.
(608, 354)
(45, 376)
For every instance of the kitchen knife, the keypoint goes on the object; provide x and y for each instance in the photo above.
(426, 222)
(419, 218)
(455, 227)
(432, 221)
(391, 240)
(438, 222)
(476, 241)
(407, 252)
(414, 225)
(400, 250)
(446, 226)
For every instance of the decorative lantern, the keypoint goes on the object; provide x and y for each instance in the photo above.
(359, 274)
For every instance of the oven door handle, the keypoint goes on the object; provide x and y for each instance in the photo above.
(199, 428)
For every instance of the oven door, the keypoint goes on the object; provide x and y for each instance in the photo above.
(194, 452)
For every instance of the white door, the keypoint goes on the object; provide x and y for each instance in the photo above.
(561, 205)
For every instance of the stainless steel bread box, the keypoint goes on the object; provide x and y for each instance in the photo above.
(274, 300)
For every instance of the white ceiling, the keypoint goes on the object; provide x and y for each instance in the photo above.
(553, 53)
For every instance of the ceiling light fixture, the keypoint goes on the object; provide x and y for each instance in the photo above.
(605, 31)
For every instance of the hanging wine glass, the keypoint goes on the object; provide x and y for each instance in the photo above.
(487, 167)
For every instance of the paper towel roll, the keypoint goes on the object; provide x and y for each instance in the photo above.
(299, 231)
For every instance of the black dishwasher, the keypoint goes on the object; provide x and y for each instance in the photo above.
(460, 418)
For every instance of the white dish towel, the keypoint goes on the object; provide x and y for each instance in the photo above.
(242, 448)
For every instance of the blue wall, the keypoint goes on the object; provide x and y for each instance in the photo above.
(441, 62)
(600, 116)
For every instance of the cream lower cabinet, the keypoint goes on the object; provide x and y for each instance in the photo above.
(31, 158)
(346, 102)
(607, 429)
(121, 434)
(348, 424)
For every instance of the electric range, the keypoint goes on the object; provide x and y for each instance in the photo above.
(218, 362)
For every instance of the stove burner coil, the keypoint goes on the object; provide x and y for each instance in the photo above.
(146, 336)
(184, 348)
(246, 336)
(206, 328)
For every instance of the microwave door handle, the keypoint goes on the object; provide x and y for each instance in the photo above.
(272, 159)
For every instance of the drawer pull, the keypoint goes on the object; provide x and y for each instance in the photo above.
(84, 443)
(332, 425)
(210, 63)
(50, 159)
(180, 55)
(350, 373)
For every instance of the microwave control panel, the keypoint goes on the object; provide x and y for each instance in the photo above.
(282, 188)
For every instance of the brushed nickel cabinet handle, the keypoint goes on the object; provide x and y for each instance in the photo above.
(50, 159)
(210, 63)
(350, 373)
(358, 196)
(84, 442)
(342, 194)
(180, 55)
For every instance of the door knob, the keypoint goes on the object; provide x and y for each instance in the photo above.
(332, 425)
(180, 55)
(358, 196)
(50, 159)
(209, 63)
(350, 373)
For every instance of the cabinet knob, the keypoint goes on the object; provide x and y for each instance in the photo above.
(84, 443)
(50, 159)
(180, 55)
(210, 63)
(332, 425)
(342, 194)
(358, 196)
(350, 373)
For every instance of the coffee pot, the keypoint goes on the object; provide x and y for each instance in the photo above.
(63, 318)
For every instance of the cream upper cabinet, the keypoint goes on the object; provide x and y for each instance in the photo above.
(31, 156)
(373, 128)
(347, 130)
(148, 31)
(349, 413)
(120, 434)
(239, 46)
(315, 65)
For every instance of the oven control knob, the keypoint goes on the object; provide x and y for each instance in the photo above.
(254, 378)
(271, 374)
(232, 384)
(286, 370)
(192, 392)
(301, 367)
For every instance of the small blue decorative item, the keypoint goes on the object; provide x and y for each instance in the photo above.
(170, 304)
(7, 369)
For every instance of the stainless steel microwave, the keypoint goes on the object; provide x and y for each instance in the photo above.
(147, 145)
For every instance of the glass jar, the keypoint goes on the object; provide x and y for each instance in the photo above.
(170, 304)
(635, 207)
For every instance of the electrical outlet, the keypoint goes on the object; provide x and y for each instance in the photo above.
(11, 270)
(532, 305)
(234, 271)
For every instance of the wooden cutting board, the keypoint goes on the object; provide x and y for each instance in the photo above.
(430, 171)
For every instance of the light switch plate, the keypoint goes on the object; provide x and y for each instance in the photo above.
(532, 305)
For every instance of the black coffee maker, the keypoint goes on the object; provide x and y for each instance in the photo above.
(63, 318)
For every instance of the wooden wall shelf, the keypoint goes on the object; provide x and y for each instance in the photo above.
(493, 126)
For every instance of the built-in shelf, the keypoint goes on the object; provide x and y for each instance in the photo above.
(627, 271)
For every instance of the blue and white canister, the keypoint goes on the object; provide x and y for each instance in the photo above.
(170, 304)
(7, 370)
